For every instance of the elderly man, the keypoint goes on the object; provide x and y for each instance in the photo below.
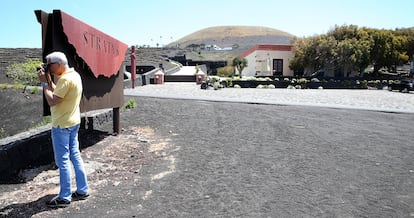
(64, 99)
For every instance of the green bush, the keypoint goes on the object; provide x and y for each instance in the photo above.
(130, 104)
(229, 82)
(24, 73)
(35, 90)
(4, 86)
(19, 86)
(302, 81)
(46, 120)
(226, 71)
(363, 84)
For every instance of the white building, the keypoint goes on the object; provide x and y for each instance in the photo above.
(268, 60)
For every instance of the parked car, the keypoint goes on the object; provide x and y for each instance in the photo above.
(405, 85)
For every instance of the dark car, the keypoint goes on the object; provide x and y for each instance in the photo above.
(405, 85)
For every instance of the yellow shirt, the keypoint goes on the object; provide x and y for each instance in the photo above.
(67, 112)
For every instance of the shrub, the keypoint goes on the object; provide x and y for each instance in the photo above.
(35, 90)
(262, 79)
(130, 104)
(226, 71)
(214, 78)
(216, 85)
(363, 84)
(46, 120)
(229, 82)
(24, 73)
(302, 81)
(252, 78)
(19, 86)
(4, 86)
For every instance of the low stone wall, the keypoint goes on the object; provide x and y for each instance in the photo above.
(30, 148)
(34, 147)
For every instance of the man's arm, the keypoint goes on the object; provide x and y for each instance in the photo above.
(50, 97)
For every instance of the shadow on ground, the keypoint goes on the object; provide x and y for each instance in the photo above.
(26, 209)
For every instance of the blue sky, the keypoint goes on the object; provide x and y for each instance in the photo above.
(139, 22)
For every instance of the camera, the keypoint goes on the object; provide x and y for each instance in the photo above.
(43, 66)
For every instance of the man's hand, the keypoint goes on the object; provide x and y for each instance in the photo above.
(42, 75)
(46, 78)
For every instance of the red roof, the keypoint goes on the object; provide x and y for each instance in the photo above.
(267, 48)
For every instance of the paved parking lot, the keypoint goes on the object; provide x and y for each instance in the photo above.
(186, 152)
(379, 100)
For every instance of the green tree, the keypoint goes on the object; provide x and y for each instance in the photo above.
(408, 46)
(363, 49)
(348, 48)
(352, 50)
(239, 64)
(312, 53)
(298, 63)
(326, 52)
(399, 54)
(344, 32)
(386, 50)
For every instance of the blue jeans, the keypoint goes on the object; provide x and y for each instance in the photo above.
(66, 150)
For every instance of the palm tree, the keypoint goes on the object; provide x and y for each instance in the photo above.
(239, 63)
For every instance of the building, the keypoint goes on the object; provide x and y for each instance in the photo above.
(268, 60)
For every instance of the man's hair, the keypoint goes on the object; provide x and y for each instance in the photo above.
(57, 57)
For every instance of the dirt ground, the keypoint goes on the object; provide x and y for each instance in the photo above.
(20, 110)
(186, 158)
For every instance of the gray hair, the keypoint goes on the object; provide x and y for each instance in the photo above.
(57, 57)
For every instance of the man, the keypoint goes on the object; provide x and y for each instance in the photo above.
(64, 99)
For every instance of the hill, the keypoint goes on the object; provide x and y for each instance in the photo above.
(240, 38)
(224, 36)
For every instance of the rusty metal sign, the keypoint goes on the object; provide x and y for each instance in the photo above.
(96, 56)
(103, 54)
